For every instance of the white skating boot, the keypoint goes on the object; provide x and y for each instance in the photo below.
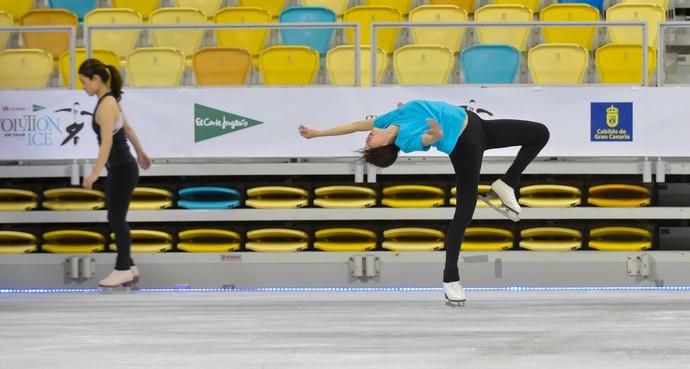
(135, 277)
(506, 194)
(455, 294)
(117, 278)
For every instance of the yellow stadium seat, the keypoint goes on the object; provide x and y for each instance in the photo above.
(106, 56)
(532, 5)
(143, 7)
(73, 198)
(550, 196)
(412, 239)
(147, 241)
(221, 66)
(151, 198)
(15, 199)
(338, 6)
(402, 6)
(550, 239)
(341, 70)
(650, 13)
(582, 36)
(252, 40)
(6, 20)
(73, 241)
(55, 43)
(208, 240)
(274, 7)
(423, 64)
(552, 64)
(619, 195)
(344, 239)
(365, 15)
(620, 239)
(16, 8)
(25, 68)
(344, 197)
(277, 197)
(413, 196)
(155, 67)
(450, 37)
(187, 41)
(209, 7)
(288, 65)
(513, 36)
(15, 242)
(277, 240)
(467, 5)
(487, 239)
(622, 63)
(122, 42)
(662, 3)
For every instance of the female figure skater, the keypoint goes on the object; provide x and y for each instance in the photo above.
(113, 130)
(464, 136)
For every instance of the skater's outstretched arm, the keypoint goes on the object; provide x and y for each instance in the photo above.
(345, 129)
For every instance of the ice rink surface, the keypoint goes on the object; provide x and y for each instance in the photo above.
(372, 329)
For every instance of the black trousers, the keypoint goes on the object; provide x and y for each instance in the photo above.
(120, 183)
(478, 136)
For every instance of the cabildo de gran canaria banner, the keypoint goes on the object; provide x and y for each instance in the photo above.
(262, 122)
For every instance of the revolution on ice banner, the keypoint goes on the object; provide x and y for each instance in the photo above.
(262, 122)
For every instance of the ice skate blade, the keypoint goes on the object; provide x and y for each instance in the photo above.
(503, 210)
(454, 303)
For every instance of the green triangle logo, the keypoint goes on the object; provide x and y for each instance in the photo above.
(210, 122)
(38, 107)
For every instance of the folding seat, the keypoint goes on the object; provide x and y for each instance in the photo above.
(513, 36)
(277, 240)
(317, 39)
(338, 6)
(622, 63)
(423, 64)
(467, 5)
(143, 7)
(619, 195)
(487, 239)
(6, 20)
(147, 241)
(481, 190)
(552, 64)
(106, 56)
(252, 40)
(155, 67)
(209, 7)
(16, 199)
(80, 7)
(151, 198)
(532, 5)
(277, 197)
(340, 65)
(344, 197)
(73, 241)
(25, 68)
(121, 42)
(550, 196)
(209, 197)
(402, 6)
(16, 242)
(550, 239)
(54, 43)
(413, 196)
(365, 15)
(662, 3)
(413, 239)
(73, 198)
(635, 12)
(187, 41)
(598, 4)
(344, 239)
(221, 66)
(490, 64)
(16, 8)
(288, 65)
(272, 6)
(583, 36)
(450, 37)
(620, 238)
(208, 240)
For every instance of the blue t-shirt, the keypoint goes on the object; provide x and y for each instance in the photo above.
(411, 118)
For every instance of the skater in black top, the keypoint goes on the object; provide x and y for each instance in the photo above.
(464, 136)
(113, 130)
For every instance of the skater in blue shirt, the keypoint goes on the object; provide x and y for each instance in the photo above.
(464, 136)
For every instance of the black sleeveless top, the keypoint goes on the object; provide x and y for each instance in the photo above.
(119, 152)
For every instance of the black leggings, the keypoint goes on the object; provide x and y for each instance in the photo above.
(120, 184)
(478, 136)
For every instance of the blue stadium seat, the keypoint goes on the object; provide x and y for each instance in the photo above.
(208, 197)
(490, 63)
(78, 7)
(599, 4)
(317, 39)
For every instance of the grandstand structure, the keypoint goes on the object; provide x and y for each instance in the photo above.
(261, 208)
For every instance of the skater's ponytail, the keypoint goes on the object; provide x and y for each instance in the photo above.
(108, 74)
(382, 156)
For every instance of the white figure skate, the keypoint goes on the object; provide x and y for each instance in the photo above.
(117, 278)
(500, 190)
(455, 294)
(135, 278)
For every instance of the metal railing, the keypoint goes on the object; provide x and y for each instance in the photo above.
(661, 47)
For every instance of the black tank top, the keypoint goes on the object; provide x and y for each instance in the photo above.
(119, 153)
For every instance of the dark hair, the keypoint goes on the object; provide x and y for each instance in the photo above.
(382, 156)
(108, 73)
